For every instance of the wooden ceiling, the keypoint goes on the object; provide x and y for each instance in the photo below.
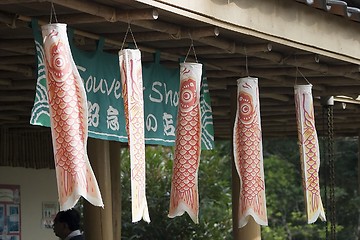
(223, 52)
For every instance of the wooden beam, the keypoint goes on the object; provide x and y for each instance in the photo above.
(14, 107)
(5, 2)
(296, 59)
(234, 47)
(260, 24)
(11, 20)
(25, 70)
(23, 59)
(5, 82)
(17, 98)
(18, 85)
(279, 97)
(109, 13)
(9, 118)
(15, 113)
(17, 43)
(22, 51)
(77, 18)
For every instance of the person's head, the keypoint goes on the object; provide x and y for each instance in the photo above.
(65, 222)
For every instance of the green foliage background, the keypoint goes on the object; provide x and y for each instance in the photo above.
(284, 194)
(214, 177)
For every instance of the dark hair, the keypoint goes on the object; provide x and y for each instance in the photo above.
(71, 217)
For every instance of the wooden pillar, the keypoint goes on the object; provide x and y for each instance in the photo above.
(251, 231)
(98, 221)
(358, 176)
(115, 164)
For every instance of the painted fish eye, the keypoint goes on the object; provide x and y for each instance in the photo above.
(246, 107)
(187, 95)
(59, 62)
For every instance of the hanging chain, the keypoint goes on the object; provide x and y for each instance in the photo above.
(326, 169)
(331, 171)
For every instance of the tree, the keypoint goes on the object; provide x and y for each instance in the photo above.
(284, 194)
(283, 152)
(285, 203)
(214, 195)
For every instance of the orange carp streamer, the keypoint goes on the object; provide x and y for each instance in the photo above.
(132, 90)
(309, 152)
(68, 117)
(184, 185)
(248, 157)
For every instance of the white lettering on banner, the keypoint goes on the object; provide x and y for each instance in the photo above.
(153, 88)
(93, 114)
(169, 129)
(102, 85)
(151, 123)
(112, 119)
(157, 95)
(81, 68)
(176, 98)
(117, 87)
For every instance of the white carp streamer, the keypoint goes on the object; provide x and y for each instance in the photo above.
(184, 186)
(248, 156)
(132, 90)
(309, 152)
(68, 117)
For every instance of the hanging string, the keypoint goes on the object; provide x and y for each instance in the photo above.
(193, 48)
(246, 63)
(297, 69)
(132, 35)
(52, 11)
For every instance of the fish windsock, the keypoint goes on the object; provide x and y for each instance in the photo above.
(309, 152)
(184, 185)
(68, 117)
(248, 157)
(132, 90)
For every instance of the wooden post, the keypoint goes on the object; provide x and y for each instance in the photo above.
(98, 221)
(115, 163)
(251, 231)
(358, 175)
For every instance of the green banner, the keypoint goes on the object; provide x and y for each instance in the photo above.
(101, 75)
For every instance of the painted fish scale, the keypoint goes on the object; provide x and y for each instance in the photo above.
(68, 115)
(249, 159)
(312, 181)
(249, 163)
(186, 150)
(132, 89)
(248, 154)
(309, 152)
(63, 113)
(184, 189)
(134, 117)
(139, 152)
